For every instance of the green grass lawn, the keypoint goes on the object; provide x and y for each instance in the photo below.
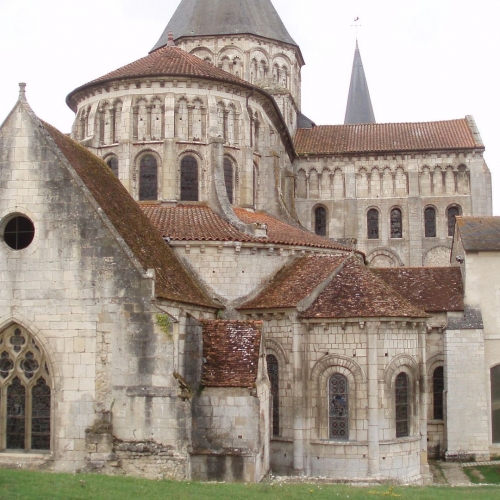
(16, 484)
(483, 474)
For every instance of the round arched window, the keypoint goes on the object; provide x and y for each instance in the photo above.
(19, 232)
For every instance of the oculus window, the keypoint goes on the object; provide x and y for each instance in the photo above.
(19, 232)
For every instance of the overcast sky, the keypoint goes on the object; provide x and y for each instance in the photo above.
(424, 60)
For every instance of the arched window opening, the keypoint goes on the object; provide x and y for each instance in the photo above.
(372, 224)
(437, 389)
(338, 407)
(273, 374)
(24, 377)
(112, 163)
(402, 405)
(430, 222)
(228, 178)
(148, 182)
(453, 212)
(189, 179)
(495, 403)
(255, 184)
(396, 223)
(320, 221)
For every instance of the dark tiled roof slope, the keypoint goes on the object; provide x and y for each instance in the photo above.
(295, 282)
(385, 137)
(433, 289)
(194, 18)
(201, 223)
(172, 280)
(231, 353)
(170, 61)
(356, 292)
(479, 233)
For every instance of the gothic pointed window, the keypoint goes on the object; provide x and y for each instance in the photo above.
(25, 389)
(437, 389)
(228, 178)
(273, 374)
(430, 222)
(338, 407)
(189, 179)
(372, 224)
(320, 221)
(452, 213)
(396, 223)
(148, 178)
(402, 405)
(495, 403)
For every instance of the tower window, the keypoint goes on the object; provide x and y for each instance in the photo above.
(338, 407)
(402, 406)
(112, 163)
(320, 221)
(453, 212)
(437, 389)
(189, 179)
(396, 223)
(19, 232)
(273, 374)
(148, 183)
(495, 403)
(430, 222)
(228, 178)
(372, 224)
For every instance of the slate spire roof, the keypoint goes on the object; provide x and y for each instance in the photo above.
(359, 105)
(226, 17)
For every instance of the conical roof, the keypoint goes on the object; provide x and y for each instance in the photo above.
(226, 17)
(359, 105)
(168, 61)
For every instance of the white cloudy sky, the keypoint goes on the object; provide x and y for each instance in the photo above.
(424, 59)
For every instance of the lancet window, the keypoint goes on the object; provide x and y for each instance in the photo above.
(189, 179)
(430, 222)
(338, 407)
(396, 223)
(437, 389)
(495, 403)
(112, 163)
(228, 178)
(452, 213)
(25, 392)
(402, 405)
(148, 178)
(273, 374)
(372, 224)
(320, 221)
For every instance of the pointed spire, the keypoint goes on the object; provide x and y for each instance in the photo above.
(170, 42)
(226, 17)
(359, 105)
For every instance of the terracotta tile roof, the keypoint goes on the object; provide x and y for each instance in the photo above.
(295, 282)
(479, 233)
(385, 137)
(356, 292)
(201, 223)
(431, 288)
(172, 280)
(166, 61)
(231, 353)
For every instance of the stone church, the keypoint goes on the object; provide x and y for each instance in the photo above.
(201, 283)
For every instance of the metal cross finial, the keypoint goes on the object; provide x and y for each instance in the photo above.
(356, 26)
